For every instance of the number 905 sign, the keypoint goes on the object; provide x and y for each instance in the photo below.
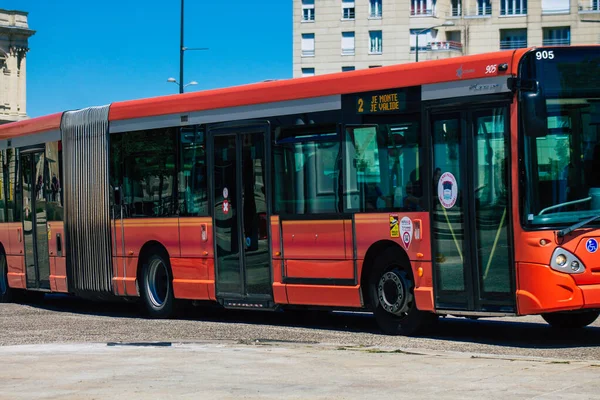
(544, 55)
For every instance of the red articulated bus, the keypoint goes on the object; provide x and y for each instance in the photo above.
(468, 186)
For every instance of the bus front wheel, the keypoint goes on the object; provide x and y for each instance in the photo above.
(392, 299)
(571, 320)
(157, 285)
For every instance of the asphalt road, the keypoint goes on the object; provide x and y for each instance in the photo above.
(62, 319)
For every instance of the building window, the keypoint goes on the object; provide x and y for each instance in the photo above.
(557, 36)
(348, 9)
(513, 7)
(513, 39)
(423, 40)
(555, 6)
(308, 10)
(484, 7)
(308, 44)
(308, 72)
(349, 68)
(592, 6)
(347, 43)
(456, 8)
(375, 8)
(422, 7)
(375, 42)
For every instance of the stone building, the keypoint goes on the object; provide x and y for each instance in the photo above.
(342, 35)
(14, 36)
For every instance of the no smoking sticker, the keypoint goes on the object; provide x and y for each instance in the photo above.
(225, 207)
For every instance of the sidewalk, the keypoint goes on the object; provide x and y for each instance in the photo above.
(276, 370)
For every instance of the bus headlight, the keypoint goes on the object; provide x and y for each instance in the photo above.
(566, 262)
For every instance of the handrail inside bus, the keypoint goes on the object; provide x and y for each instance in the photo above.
(568, 203)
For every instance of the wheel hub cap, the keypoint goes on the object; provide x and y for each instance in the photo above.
(391, 292)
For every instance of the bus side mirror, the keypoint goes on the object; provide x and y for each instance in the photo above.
(534, 113)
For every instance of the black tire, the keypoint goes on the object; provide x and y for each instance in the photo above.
(391, 288)
(6, 293)
(571, 320)
(156, 285)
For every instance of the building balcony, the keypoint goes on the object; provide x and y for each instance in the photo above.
(440, 46)
(513, 44)
(422, 12)
(456, 11)
(514, 13)
(478, 11)
(556, 42)
(589, 7)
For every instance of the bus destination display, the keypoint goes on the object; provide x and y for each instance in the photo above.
(377, 103)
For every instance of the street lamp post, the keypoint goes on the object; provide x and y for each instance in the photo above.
(181, 87)
(183, 49)
(447, 23)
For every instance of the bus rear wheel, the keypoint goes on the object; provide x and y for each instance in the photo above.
(6, 293)
(157, 285)
(571, 320)
(392, 299)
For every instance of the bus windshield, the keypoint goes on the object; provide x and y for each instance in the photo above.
(562, 157)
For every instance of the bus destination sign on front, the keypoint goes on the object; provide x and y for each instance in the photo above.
(377, 103)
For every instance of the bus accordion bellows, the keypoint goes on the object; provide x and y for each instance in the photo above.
(467, 186)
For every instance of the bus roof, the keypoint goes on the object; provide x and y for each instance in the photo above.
(401, 75)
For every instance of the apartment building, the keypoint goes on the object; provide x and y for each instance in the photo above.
(14, 37)
(343, 35)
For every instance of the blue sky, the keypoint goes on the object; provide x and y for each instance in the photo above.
(88, 53)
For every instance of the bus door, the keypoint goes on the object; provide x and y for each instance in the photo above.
(472, 250)
(35, 231)
(240, 193)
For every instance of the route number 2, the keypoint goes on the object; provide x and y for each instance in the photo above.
(544, 55)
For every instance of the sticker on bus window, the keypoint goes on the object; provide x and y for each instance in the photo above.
(225, 207)
(225, 193)
(406, 230)
(394, 227)
(447, 190)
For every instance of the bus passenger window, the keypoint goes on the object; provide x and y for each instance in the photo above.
(307, 164)
(192, 178)
(149, 173)
(382, 162)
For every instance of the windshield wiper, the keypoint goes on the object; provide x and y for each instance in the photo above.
(566, 231)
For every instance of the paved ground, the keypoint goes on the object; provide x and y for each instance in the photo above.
(67, 348)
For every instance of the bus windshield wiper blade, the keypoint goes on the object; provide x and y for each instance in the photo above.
(566, 231)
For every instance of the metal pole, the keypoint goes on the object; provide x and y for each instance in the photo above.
(181, 50)
(416, 48)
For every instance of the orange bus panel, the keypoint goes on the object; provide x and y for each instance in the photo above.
(16, 272)
(324, 269)
(541, 289)
(30, 126)
(314, 240)
(280, 293)
(196, 237)
(191, 277)
(340, 296)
